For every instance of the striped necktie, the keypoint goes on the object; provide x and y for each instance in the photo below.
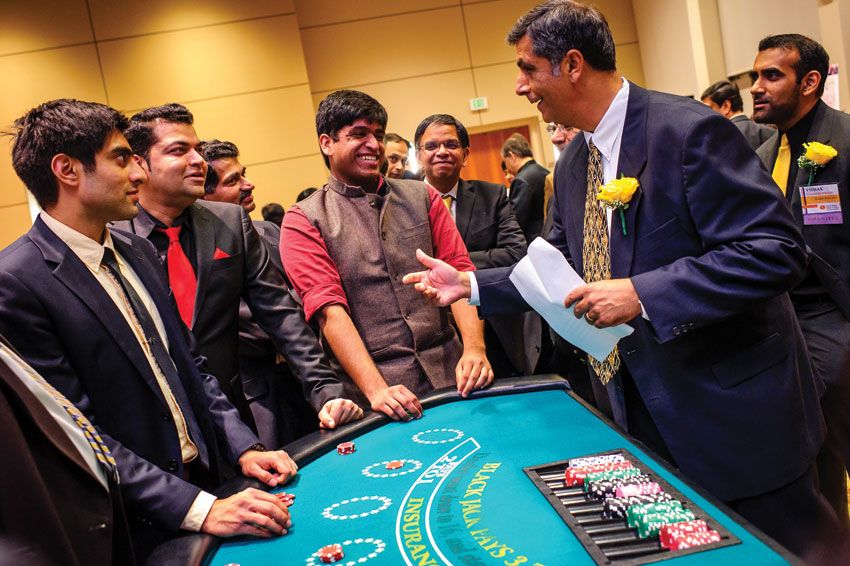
(101, 451)
(595, 255)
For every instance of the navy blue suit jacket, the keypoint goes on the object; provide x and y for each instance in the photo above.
(711, 249)
(64, 324)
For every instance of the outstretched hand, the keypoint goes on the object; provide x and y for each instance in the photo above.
(441, 284)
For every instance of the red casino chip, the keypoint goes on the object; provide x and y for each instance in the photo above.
(345, 448)
(331, 553)
(287, 498)
(394, 465)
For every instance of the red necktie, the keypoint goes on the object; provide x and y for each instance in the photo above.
(181, 276)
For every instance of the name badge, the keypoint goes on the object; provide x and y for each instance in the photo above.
(821, 204)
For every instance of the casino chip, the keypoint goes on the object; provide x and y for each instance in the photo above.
(394, 465)
(345, 448)
(287, 498)
(331, 553)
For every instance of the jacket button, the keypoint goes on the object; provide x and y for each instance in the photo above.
(172, 466)
(676, 331)
(166, 417)
(395, 276)
(383, 235)
(407, 317)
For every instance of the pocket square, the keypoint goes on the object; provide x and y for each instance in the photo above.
(220, 254)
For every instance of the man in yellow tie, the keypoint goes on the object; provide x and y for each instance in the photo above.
(791, 70)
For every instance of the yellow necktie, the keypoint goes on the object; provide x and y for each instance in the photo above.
(595, 255)
(447, 200)
(783, 164)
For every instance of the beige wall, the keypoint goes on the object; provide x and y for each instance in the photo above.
(253, 71)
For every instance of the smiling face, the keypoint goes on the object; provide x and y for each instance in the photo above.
(537, 83)
(233, 186)
(110, 191)
(356, 152)
(441, 156)
(176, 170)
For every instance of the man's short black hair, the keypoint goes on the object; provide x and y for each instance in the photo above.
(556, 26)
(813, 57)
(518, 145)
(76, 128)
(305, 193)
(343, 108)
(395, 138)
(140, 132)
(273, 212)
(721, 91)
(443, 120)
(212, 150)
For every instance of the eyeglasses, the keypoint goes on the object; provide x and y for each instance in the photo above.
(552, 128)
(451, 145)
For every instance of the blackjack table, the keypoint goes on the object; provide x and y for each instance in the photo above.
(479, 482)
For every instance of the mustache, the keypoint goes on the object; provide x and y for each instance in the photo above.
(243, 195)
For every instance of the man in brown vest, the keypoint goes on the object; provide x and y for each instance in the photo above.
(345, 249)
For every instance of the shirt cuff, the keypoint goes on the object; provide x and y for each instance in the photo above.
(643, 312)
(473, 299)
(197, 514)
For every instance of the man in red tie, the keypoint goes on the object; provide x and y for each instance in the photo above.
(214, 257)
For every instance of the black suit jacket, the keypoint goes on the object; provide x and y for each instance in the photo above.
(755, 133)
(527, 197)
(244, 270)
(65, 325)
(54, 511)
(711, 250)
(828, 244)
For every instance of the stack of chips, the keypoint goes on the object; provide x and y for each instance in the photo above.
(603, 489)
(345, 448)
(615, 508)
(636, 513)
(576, 474)
(287, 498)
(637, 489)
(595, 460)
(649, 525)
(687, 534)
(331, 553)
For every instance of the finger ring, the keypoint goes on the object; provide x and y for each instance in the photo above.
(589, 318)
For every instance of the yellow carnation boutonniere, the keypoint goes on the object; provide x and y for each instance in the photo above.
(617, 195)
(817, 155)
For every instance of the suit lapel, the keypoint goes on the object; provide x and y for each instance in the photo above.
(574, 207)
(203, 232)
(72, 273)
(631, 163)
(465, 204)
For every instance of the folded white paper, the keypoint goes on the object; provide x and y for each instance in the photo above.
(544, 278)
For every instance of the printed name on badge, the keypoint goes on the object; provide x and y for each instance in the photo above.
(821, 204)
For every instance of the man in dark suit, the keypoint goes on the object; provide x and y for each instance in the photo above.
(725, 98)
(66, 507)
(791, 70)
(528, 186)
(89, 309)
(214, 247)
(485, 219)
(715, 377)
(274, 394)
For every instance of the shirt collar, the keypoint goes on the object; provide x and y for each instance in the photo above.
(610, 127)
(89, 251)
(452, 193)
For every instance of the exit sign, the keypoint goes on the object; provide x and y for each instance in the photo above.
(479, 103)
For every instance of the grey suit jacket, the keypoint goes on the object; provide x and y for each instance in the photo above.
(755, 133)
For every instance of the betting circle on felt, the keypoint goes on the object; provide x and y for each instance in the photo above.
(418, 436)
(410, 466)
(377, 545)
(385, 502)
